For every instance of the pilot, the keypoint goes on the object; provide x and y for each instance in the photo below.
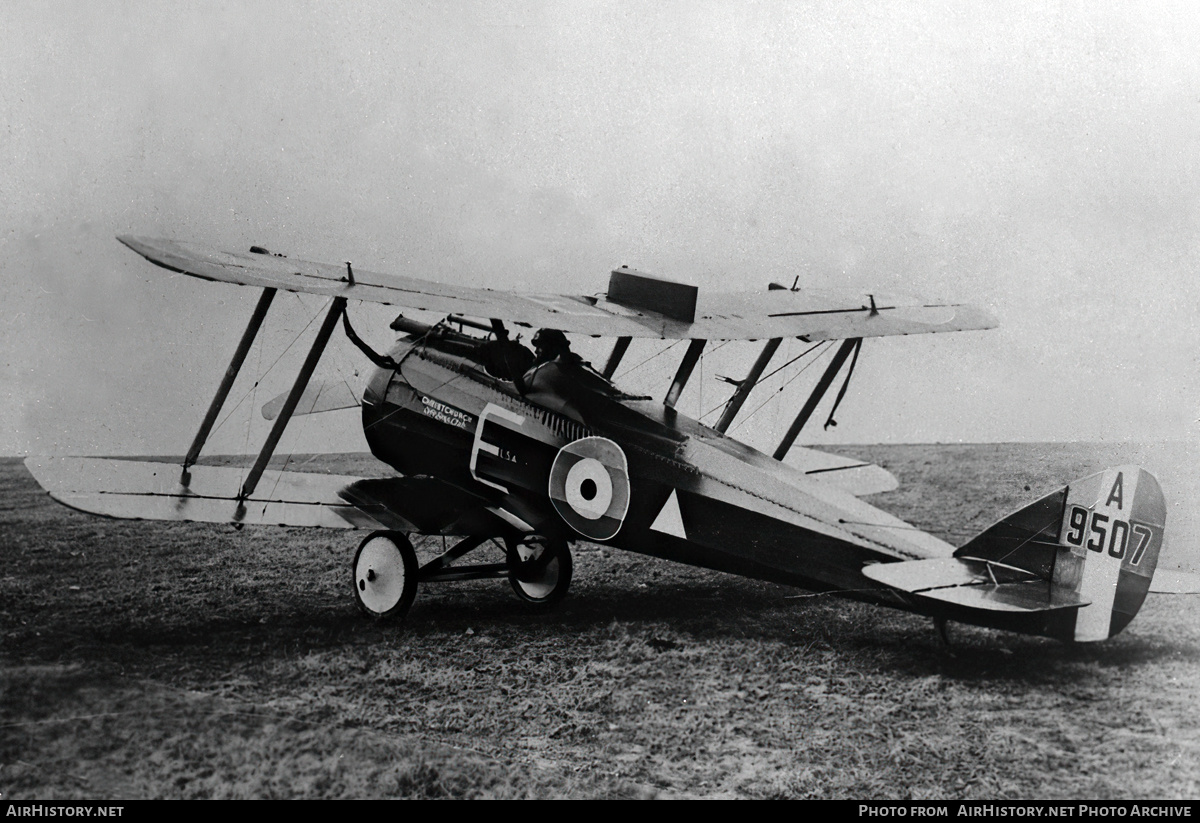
(559, 380)
(550, 344)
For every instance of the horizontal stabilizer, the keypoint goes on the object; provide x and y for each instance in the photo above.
(318, 397)
(975, 585)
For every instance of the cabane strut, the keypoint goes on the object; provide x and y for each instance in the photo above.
(690, 358)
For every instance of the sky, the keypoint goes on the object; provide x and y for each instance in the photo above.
(1039, 160)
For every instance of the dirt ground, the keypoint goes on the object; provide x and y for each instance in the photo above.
(151, 660)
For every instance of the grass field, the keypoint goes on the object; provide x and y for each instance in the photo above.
(151, 660)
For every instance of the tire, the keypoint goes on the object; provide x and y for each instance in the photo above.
(539, 568)
(385, 575)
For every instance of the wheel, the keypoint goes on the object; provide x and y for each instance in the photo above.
(385, 575)
(539, 568)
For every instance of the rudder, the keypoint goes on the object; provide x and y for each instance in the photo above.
(1109, 540)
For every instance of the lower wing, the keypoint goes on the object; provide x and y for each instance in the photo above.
(855, 476)
(147, 490)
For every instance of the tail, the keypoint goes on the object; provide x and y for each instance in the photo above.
(1075, 565)
(1098, 538)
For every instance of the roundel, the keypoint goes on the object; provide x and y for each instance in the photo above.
(589, 486)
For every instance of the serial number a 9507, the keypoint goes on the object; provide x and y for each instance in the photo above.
(1100, 533)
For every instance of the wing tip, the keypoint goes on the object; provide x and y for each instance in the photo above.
(980, 319)
(141, 245)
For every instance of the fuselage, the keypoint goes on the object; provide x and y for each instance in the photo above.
(672, 488)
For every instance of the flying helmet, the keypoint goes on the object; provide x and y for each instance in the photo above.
(551, 340)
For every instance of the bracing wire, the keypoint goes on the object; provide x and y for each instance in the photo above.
(700, 402)
(720, 346)
(761, 380)
(261, 377)
(801, 371)
(287, 460)
(773, 372)
(647, 360)
(720, 405)
(1026, 540)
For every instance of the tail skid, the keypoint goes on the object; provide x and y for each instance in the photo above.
(1075, 565)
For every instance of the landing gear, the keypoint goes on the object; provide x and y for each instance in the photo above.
(385, 575)
(539, 568)
(386, 572)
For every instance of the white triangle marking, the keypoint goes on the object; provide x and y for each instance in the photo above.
(669, 520)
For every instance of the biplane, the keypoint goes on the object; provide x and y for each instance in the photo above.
(481, 457)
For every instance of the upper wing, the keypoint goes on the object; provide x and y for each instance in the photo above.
(811, 314)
